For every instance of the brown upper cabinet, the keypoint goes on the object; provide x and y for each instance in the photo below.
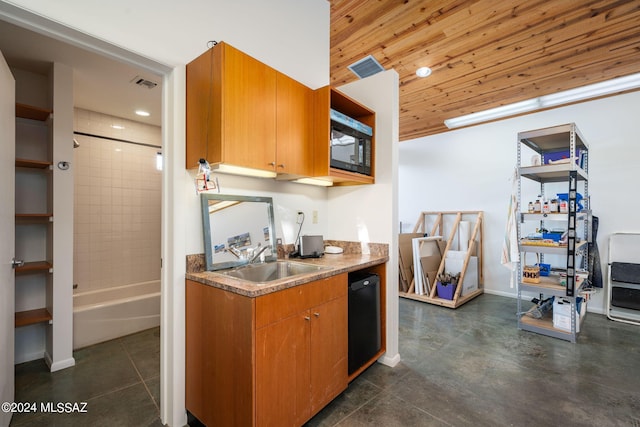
(241, 112)
(294, 128)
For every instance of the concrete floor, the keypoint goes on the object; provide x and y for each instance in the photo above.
(472, 367)
(463, 367)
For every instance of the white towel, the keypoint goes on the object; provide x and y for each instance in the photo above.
(510, 251)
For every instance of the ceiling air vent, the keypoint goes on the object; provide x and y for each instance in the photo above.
(142, 82)
(366, 67)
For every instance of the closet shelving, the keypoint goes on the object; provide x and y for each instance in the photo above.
(33, 216)
(541, 145)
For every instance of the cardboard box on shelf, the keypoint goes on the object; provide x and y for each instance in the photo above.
(562, 313)
(406, 259)
(430, 265)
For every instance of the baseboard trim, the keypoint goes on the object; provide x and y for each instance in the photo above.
(390, 361)
(59, 365)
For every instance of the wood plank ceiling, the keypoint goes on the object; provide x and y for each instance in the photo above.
(483, 53)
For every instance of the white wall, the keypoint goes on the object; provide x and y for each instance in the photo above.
(288, 199)
(60, 343)
(369, 213)
(291, 36)
(471, 169)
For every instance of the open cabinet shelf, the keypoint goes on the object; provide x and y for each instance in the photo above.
(31, 317)
(34, 267)
(31, 112)
(33, 164)
(325, 99)
(42, 192)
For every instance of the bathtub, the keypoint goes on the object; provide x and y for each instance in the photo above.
(110, 313)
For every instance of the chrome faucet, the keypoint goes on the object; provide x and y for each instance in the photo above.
(257, 254)
(236, 252)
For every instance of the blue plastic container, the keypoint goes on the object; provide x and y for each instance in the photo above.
(565, 196)
(545, 269)
(446, 292)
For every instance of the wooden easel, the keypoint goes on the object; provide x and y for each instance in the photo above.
(475, 244)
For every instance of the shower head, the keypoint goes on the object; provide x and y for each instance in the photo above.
(75, 143)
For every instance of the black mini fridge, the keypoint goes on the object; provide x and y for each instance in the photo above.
(364, 318)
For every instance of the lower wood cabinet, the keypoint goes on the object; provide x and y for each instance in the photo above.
(274, 360)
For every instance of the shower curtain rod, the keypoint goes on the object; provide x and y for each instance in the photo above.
(116, 139)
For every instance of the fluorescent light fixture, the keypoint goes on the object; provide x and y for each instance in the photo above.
(119, 127)
(493, 113)
(239, 170)
(143, 113)
(423, 72)
(314, 181)
(595, 90)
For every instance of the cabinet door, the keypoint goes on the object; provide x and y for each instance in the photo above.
(329, 352)
(294, 151)
(248, 111)
(282, 372)
(219, 359)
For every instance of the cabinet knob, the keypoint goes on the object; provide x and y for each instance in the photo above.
(307, 318)
(272, 163)
(281, 165)
(316, 314)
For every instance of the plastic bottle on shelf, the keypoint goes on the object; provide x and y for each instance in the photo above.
(564, 206)
(537, 207)
(530, 209)
(545, 207)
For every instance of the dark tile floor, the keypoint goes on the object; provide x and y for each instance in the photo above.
(119, 380)
(463, 367)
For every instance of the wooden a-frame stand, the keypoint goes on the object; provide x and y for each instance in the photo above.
(475, 243)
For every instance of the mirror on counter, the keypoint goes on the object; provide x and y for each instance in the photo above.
(238, 230)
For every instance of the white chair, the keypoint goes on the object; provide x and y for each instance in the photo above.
(622, 285)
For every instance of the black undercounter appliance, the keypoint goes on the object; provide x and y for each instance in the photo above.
(364, 318)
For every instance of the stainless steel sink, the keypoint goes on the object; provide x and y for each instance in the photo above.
(260, 273)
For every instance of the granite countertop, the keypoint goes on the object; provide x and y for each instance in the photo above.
(332, 264)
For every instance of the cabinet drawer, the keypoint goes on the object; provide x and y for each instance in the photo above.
(282, 304)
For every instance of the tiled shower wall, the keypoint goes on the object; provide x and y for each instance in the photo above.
(117, 202)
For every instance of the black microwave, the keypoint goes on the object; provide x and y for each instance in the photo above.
(350, 144)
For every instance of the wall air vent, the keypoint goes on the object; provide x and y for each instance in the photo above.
(366, 67)
(142, 82)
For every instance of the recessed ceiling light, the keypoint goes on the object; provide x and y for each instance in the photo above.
(119, 127)
(423, 72)
(143, 113)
